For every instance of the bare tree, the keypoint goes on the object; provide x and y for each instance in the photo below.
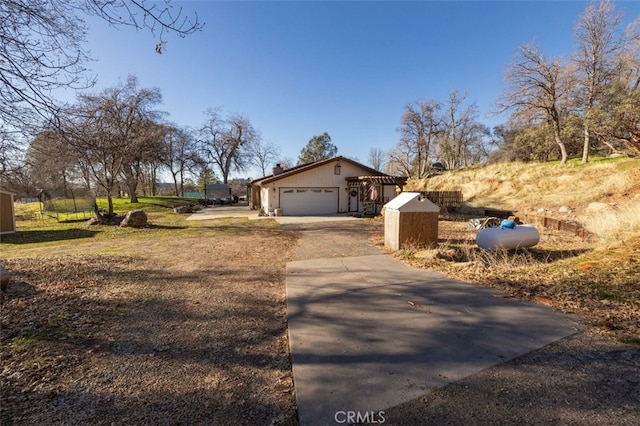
(51, 162)
(225, 142)
(538, 87)
(462, 141)
(400, 162)
(181, 155)
(596, 59)
(263, 155)
(111, 132)
(377, 158)
(615, 118)
(420, 124)
(42, 50)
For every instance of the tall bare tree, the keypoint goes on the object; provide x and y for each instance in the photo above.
(615, 118)
(421, 123)
(110, 132)
(42, 49)
(537, 87)
(461, 141)
(263, 155)
(225, 142)
(52, 163)
(377, 158)
(599, 45)
(181, 155)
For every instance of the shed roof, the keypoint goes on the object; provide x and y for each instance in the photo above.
(412, 202)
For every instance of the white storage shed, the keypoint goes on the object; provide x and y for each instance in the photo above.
(410, 219)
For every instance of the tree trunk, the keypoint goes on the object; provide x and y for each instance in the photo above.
(131, 182)
(558, 139)
(587, 142)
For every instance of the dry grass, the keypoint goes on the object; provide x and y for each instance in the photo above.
(522, 186)
(172, 324)
(599, 283)
(599, 279)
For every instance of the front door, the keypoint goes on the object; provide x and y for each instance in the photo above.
(353, 199)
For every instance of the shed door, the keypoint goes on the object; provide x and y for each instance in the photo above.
(308, 201)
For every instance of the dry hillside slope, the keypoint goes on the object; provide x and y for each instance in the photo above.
(603, 195)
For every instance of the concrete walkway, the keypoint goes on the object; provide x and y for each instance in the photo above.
(368, 333)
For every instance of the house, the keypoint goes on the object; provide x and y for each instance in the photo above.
(335, 185)
(7, 214)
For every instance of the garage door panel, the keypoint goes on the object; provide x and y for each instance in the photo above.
(308, 201)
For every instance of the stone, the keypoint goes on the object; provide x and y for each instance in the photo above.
(135, 219)
(5, 277)
(564, 209)
(597, 207)
(93, 221)
(186, 208)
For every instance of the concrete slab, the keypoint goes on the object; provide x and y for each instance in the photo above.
(219, 212)
(368, 333)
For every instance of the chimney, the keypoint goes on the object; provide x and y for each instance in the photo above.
(277, 169)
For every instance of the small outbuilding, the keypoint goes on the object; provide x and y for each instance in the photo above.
(410, 219)
(7, 213)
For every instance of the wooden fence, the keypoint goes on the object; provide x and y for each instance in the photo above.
(544, 221)
(444, 198)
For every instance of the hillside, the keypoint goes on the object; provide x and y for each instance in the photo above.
(603, 195)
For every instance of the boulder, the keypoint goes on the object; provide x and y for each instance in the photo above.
(4, 278)
(598, 207)
(135, 219)
(183, 209)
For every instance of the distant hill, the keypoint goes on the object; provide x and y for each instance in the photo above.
(603, 195)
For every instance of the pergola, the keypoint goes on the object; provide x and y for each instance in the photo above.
(373, 191)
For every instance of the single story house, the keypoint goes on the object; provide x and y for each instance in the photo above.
(335, 185)
(7, 214)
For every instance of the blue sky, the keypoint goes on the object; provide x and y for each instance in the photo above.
(296, 69)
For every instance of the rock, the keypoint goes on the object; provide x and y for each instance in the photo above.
(426, 254)
(4, 278)
(135, 219)
(92, 221)
(598, 207)
(183, 209)
(450, 255)
(564, 209)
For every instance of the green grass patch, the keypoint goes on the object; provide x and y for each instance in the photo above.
(37, 361)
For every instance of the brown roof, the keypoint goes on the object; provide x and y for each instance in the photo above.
(309, 166)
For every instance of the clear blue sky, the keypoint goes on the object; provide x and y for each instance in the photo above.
(296, 69)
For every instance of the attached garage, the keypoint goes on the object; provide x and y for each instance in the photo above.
(308, 201)
(334, 185)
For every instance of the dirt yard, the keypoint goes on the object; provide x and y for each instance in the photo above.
(187, 330)
(189, 327)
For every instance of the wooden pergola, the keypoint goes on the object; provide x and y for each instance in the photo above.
(373, 188)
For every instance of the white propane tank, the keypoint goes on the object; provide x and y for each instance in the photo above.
(520, 236)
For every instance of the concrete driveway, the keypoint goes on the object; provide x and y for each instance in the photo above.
(218, 212)
(368, 333)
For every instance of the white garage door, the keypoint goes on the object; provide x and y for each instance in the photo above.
(308, 201)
